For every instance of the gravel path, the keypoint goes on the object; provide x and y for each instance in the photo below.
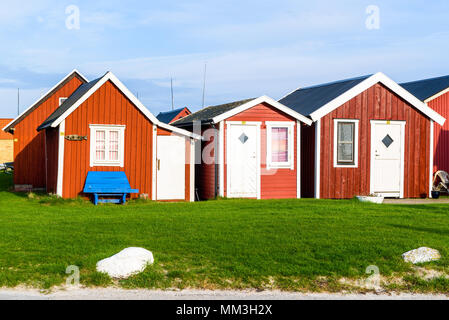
(121, 294)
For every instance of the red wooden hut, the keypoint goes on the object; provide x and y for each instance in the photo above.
(29, 144)
(250, 149)
(435, 93)
(173, 115)
(369, 136)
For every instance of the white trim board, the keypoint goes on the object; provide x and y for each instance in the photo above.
(298, 159)
(368, 83)
(192, 169)
(317, 158)
(431, 150)
(60, 177)
(13, 122)
(109, 76)
(260, 100)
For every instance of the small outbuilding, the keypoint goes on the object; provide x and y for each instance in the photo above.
(435, 93)
(173, 115)
(369, 136)
(251, 149)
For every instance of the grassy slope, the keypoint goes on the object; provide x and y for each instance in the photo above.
(217, 244)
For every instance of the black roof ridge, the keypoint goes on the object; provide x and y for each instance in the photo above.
(335, 82)
(428, 79)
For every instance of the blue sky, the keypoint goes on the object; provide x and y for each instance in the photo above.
(251, 47)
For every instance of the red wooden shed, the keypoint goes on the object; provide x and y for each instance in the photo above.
(435, 93)
(29, 158)
(250, 149)
(369, 136)
(102, 126)
(173, 115)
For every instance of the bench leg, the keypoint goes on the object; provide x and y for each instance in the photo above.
(124, 198)
(95, 199)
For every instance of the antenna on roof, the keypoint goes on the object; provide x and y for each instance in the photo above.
(18, 101)
(172, 98)
(204, 82)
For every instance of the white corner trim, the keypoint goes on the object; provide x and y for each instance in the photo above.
(9, 125)
(317, 158)
(431, 150)
(290, 125)
(192, 169)
(62, 99)
(109, 76)
(368, 83)
(298, 159)
(154, 169)
(260, 100)
(221, 148)
(121, 148)
(356, 143)
(60, 177)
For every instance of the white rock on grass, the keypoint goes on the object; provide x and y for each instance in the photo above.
(421, 255)
(127, 262)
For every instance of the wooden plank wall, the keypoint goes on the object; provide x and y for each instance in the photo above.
(441, 134)
(376, 103)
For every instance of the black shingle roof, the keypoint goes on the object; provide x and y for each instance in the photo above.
(168, 116)
(307, 100)
(68, 103)
(424, 89)
(208, 113)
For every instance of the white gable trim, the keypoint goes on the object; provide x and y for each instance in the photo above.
(109, 76)
(13, 122)
(437, 95)
(260, 100)
(368, 83)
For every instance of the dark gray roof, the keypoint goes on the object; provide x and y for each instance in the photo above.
(168, 116)
(424, 89)
(207, 114)
(68, 103)
(307, 100)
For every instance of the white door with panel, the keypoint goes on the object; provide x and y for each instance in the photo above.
(387, 158)
(170, 167)
(243, 160)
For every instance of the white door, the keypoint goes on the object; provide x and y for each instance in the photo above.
(243, 160)
(387, 156)
(170, 167)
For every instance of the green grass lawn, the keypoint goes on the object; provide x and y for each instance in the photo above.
(285, 244)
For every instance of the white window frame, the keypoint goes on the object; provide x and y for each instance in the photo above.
(121, 147)
(290, 164)
(62, 100)
(356, 143)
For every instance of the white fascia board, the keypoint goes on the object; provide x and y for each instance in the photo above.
(368, 83)
(109, 76)
(9, 125)
(260, 100)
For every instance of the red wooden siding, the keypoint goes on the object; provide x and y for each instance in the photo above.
(52, 141)
(29, 145)
(441, 134)
(308, 161)
(5, 135)
(108, 106)
(206, 171)
(274, 183)
(376, 103)
(182, 114)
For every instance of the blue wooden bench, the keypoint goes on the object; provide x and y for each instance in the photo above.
(108, 184)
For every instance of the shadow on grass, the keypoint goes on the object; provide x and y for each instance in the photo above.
(433, 230)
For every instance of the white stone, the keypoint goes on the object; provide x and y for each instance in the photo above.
(127, 262)
(421, 255)
(376, 199)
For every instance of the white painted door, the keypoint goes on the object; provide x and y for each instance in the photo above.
(387, 158)
(170, 168)
(243, 160)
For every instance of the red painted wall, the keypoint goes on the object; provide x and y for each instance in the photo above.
(275, 183)
(108, 106)
(29, 145)
(52, 142)
(376, 103)
(441, 134)
(308, 161)
(205, 181)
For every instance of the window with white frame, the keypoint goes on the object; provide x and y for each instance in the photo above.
(107, 145)
(346, 136)
(280, 147)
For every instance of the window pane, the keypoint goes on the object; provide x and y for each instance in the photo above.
(279, 144)
(100, 145)
(345, 152)
(346, 132)
(100, 155)
(113, 155)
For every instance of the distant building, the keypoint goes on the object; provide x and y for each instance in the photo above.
(171, 116)
(6, 143)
